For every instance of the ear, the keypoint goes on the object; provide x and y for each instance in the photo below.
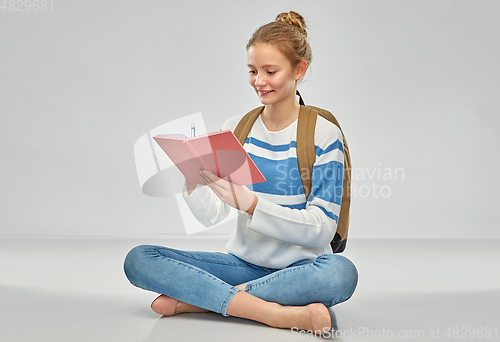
(300, 69)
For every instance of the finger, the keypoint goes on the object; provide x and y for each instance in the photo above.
(213, 185)
(209, 175)
(214, 180)
(237, 206)
(205, 179)
(214, 189)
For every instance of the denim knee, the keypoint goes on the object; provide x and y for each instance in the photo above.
(341, 276)
(135, 262)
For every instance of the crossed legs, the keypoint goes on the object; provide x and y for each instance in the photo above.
(241, 289)
(313, 317)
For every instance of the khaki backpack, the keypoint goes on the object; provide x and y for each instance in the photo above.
(306, 156)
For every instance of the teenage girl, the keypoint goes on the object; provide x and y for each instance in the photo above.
(279, 269)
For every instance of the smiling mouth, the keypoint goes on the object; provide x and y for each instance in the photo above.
(265, 92)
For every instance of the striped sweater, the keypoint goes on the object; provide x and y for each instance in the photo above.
(285, 227)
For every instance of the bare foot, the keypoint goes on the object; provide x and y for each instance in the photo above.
(164, 305)
(313, 317)
(320, 318)
(168, 306)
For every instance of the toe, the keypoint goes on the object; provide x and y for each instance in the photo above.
(164, 305)
(320, 318)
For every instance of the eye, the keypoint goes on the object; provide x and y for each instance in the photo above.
(271, 72)
(252, 72)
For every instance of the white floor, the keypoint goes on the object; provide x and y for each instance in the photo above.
(409, 290)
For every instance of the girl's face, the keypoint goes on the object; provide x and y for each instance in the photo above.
(271, 74)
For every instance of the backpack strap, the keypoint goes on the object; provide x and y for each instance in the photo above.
(245, 125)
(306, 153)
(301, 101)
(340, 239)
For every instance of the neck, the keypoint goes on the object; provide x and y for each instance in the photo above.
(280, 115)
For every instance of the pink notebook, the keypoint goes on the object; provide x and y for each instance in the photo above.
(220, 153)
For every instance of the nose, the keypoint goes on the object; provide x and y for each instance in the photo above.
(260, 80)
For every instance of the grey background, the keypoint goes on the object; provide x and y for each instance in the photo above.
(414, 84)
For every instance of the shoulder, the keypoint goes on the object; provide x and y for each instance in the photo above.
(326, 133)
(232, 122)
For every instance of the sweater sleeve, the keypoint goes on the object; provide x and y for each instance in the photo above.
(205, 205)
(314, 226)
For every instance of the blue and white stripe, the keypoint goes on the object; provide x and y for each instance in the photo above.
(275, 155)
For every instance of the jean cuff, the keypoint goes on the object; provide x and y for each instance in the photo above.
(228, 298)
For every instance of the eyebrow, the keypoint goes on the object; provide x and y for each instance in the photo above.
(264, 66)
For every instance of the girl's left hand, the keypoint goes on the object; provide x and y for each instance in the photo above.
(237, 196)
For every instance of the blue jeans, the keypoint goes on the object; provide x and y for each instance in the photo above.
(208, 279)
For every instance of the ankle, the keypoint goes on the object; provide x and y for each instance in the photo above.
(287, 316)
(278, 319)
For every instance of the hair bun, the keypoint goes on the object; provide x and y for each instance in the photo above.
(294, 19)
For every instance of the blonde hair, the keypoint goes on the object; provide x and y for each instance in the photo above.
(288, 34)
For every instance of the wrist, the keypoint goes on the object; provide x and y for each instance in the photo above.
(252, 207)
